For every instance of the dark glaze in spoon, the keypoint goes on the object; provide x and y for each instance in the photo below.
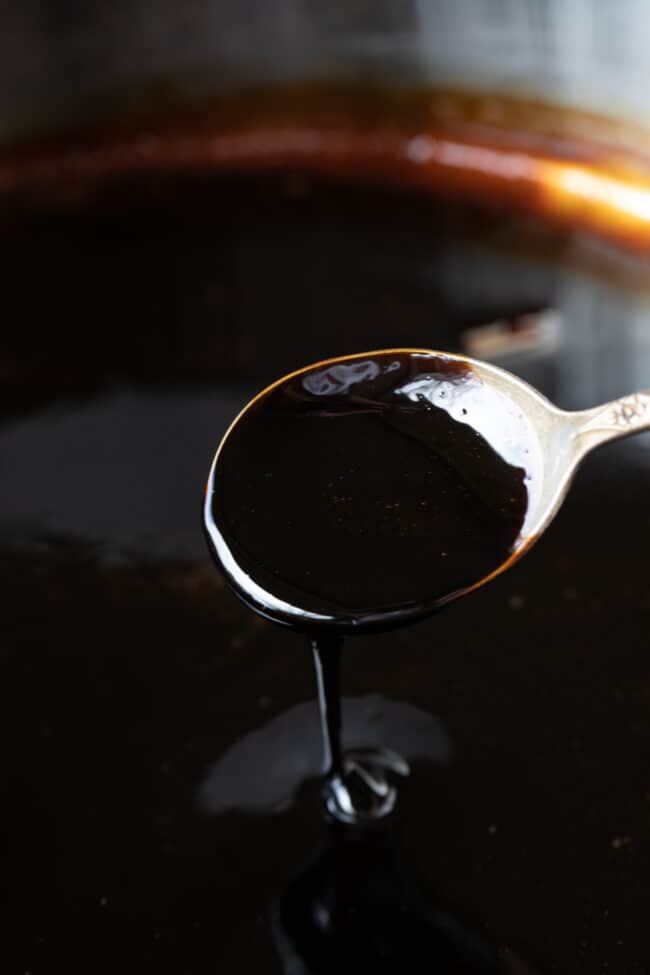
(368, 491)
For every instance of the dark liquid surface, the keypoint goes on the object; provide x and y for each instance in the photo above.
(361, 493)
(160, 743)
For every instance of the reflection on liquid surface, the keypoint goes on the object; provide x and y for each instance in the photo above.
(262, 772)
(360, 906)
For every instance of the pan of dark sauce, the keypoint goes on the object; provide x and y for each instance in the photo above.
(162, 755)
(357, 495)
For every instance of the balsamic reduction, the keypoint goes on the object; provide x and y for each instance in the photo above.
(200, 282)
(367, 491)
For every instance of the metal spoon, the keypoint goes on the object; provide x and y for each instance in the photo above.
(517, 421)
(563, 438)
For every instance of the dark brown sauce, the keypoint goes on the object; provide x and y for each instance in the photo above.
(203, 294)
(360, 493)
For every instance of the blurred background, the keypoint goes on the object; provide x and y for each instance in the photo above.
(196, 198)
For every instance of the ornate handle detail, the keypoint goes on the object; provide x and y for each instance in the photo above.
(630, 414)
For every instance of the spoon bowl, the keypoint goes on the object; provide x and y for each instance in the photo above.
(367, 491)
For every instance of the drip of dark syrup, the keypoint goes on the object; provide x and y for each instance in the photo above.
(362, 494)
(327, 663)
(359, 905)
(356, 788)
(356, 495)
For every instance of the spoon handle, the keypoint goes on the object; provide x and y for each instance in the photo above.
(611, 421)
